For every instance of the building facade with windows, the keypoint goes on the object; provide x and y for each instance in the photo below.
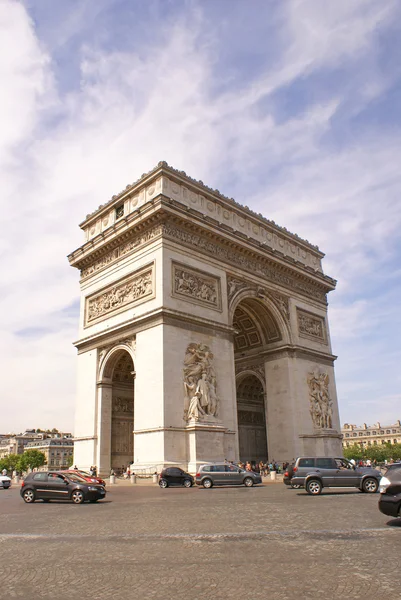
(373, 435)
(58, 451)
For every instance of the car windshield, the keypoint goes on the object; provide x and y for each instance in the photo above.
(76, 478)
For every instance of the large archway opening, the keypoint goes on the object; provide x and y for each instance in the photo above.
(256, 331)
(122, 411)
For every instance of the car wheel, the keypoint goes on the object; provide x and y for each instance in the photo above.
(314, 487)
(163, 483)
(248, 482)
(207, 483)
(29, 496)
(77, 497)
(370, 485)
(187, 483)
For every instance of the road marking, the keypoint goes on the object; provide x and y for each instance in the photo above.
(194, 536)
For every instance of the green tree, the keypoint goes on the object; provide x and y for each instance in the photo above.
(9, 462)
(31, 459)
(70, 460)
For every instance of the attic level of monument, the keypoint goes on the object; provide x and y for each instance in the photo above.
(163, 217)
(203, 333)
(177, 186)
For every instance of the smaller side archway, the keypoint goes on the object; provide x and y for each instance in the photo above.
(252, 430)
(116, 402)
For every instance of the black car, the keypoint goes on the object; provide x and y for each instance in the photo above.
(175, 476)
(57, 486)
(390, 492)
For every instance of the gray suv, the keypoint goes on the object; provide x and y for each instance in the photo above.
(318, 472)
(222, 474)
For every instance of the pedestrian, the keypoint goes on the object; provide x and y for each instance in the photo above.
(248, 466)
(4, 472)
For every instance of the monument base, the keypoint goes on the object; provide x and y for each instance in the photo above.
(206, 443)
(322, 442)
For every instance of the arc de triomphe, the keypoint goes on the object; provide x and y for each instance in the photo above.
(203, 333)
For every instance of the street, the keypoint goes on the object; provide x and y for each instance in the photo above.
(265, 542)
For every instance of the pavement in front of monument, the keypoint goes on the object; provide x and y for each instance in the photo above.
(237, 543)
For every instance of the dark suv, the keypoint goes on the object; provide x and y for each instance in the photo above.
(315, 473)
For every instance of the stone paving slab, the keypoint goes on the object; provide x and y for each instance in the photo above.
(236, 543)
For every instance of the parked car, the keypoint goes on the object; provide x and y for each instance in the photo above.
(222, 474)
(390, 491)
(316, 473)
(54, 485)
(175, 476)
(87, 476)
(5, 482)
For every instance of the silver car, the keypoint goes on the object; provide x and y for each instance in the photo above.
(223, 474)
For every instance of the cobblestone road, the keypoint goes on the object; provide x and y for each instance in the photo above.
(236, 543)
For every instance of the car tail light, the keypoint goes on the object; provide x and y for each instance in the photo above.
(286, 474)
(197, 475)
(295, 469)
(22, 483)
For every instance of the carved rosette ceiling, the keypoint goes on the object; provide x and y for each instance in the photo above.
(311, 326)
(321, 405)
(196, 286)
(125, 293)
(201, 402)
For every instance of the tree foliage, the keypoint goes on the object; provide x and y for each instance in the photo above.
(378, 453)
(31, 459)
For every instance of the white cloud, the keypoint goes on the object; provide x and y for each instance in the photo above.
(63, 156)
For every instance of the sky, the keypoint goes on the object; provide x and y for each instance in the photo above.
(292, 108)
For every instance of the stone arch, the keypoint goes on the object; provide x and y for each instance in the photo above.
(116, 403)
(108, 358)
(267, 310)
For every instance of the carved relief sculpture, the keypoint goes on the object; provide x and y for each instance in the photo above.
(321, 406)
(311, 326)
(196, 286)
(130, 290)
(201, 401)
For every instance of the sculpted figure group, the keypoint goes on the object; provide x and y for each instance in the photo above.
(201, 399)
(321, 407)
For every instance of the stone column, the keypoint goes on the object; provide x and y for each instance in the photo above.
(103, 452)
(282, 436)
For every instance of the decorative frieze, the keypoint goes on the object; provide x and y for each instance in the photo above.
(122, 250)
(234, 286)
(129, 291)
(321, 405)
(244, 261)
(311, 326)
(122, 405)
(196, 286)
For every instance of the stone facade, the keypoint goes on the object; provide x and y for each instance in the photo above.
(205, 324)
(373, 435)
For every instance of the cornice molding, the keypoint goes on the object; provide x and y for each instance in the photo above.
(163, 169)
